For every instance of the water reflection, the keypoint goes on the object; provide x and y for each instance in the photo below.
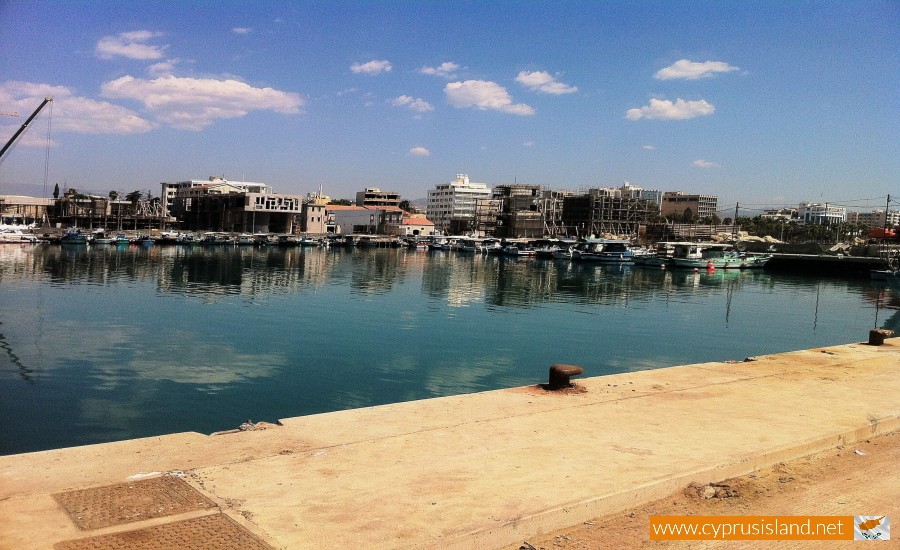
(99, 343)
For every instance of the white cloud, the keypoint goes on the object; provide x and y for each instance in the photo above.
(528, 144)
(131, 45)
(700, 163)
(445, 70)
(419, 152)
(194, 103)
(73, 113)
(163, 68)
(649, 147)
(693, 70)
(372, 67)
(484, 95)
(663, 109)
(242, 30)
(419, 105)
(544, 82)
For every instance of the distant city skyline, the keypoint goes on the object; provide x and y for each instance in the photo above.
(766, 104)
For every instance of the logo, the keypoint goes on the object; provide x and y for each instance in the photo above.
(871, 527)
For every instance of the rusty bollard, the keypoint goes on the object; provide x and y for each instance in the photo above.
(877, 336)
(559, 375)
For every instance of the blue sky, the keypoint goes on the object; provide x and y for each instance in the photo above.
(765, 103)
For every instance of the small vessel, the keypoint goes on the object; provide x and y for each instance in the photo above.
(491, 245)
(603, 250)
(16, 236)
(468, 245)
(245, 239)
(715, 256)
(122, 239)
(74, 237)
(518, 248)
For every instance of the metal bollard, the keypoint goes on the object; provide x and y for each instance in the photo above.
(559, 375)
(877, 336)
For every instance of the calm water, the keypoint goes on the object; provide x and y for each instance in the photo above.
(100, 344)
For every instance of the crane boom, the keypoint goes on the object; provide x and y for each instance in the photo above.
(24, 126)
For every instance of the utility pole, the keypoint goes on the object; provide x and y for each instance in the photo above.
(734, 222)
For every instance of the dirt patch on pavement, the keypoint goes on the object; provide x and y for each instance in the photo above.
(858, 479)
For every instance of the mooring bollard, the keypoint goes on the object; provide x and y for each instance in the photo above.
(877, 336)
(559, 375)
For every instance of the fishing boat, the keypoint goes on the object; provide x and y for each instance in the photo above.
(103, 240)
(518, 249)
(715, 256)
(660, 257)
(468, 245)
(603, 250)
(491, 245)
(74, 237)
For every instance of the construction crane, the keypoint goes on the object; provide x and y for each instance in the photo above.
(24, 126)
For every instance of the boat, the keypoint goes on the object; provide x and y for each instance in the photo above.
(309, 241)
(555, 248)
(715, 256)
(468, 245)
(603, 250)
(660, 257)
(73, 237)
(439, 243)
(103, 240)
(491, 245)
(417, 244)
(214, 238)
(245, 239)
(16, 236)
(122, 239)
(518, 248)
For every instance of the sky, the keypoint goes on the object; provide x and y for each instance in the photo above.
(764, 104)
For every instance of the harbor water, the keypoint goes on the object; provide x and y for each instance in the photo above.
(102, 343)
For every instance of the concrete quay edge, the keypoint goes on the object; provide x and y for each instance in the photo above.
(488, 469)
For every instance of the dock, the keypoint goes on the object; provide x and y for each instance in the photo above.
(826, 264)
(483, 470)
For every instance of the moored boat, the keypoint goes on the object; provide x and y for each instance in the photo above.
(715, 256)
(73, 237)
(603, 250)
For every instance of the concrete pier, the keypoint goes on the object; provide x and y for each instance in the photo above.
(473, 471)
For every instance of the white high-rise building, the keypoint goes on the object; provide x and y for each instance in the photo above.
(455, 201)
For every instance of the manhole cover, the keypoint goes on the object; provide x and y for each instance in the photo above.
(132, 501)
(213, 532)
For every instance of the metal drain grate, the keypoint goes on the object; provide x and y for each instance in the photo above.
(132, 501)
(213, 532)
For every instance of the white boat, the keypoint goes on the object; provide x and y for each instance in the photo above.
(555, 248)
(715, 256)
(491, 245)
(603, 250)
(518, 248)
(246, 239)
(16, 236)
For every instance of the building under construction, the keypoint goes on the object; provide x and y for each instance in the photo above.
(604, 211)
